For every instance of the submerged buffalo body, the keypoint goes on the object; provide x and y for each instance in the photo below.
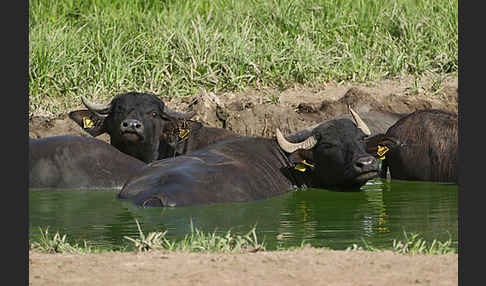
(241, 169)
(422, 146)
(140, 125)
(76, 162)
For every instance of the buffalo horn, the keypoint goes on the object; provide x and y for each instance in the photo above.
(95, 107)
(179, 115)
(359, 122)
(290, 147)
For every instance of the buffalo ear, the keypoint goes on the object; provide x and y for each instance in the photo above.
(380, 140)
(301, 160)
(373, 142)
(296, 157)
(89, 121)
(301, 156)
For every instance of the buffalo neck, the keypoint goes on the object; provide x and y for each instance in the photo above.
(142, 151)
(187, 133)
(178, 141)
(192, 135)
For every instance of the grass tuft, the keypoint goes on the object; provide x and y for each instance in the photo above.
(58, 244)
(152, 240)
(198, 241)
(412, 244)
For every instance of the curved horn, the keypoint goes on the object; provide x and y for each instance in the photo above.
(95, 107)
(179, 115)
(359, 122)
(290, 147)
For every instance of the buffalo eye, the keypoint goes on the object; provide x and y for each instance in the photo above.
(154, 114)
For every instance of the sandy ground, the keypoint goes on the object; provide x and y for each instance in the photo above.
(308, 266)
(259, 113)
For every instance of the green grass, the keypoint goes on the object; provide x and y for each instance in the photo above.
(199, 241)
(177, 48)
(413, 244)
(58, 243)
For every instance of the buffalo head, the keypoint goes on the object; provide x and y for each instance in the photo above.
(136, 123)
(333, 153)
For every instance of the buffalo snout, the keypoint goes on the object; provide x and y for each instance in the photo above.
(365, 164)
(132, 127)
(365, 168)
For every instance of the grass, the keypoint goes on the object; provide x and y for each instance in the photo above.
(412, 244)
(198, 241)
(58, 243)
(177, 48)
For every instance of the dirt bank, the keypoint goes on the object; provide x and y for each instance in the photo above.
(260, 112)
(308, 266)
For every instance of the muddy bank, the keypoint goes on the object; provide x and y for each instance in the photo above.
(260, 112)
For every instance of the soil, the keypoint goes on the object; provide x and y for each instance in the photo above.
(308, 266)
(259, 113)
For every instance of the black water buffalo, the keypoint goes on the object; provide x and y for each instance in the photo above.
(422, 146)
(76, 162)
(238, 169)
(140, 125)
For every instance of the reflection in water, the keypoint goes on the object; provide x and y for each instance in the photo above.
(378, 214)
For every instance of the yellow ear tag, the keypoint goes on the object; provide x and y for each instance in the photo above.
(183, 133)
(381, 152)
(306, 163)
(87, 123)
(302, 166)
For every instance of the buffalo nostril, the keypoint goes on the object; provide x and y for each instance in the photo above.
(363, 163)
(131, 124)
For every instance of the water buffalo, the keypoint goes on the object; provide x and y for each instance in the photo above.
(77, 162)
(140, 125)
(422, 146)
(238, 169)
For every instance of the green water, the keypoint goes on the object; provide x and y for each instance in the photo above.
(323, 218)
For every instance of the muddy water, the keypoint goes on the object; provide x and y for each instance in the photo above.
(380, 213)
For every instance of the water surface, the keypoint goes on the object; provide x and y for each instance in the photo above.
(323, 218)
